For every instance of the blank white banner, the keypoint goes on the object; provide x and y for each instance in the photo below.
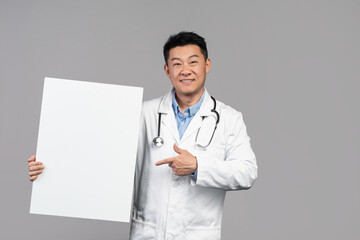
(87, 141)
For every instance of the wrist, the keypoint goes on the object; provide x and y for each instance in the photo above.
(196, 164)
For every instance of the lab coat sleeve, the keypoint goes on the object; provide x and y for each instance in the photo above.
(239, 168)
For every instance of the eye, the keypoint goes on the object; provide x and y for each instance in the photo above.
(193, 62)
(176, 64)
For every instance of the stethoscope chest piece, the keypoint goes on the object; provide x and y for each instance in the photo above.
(158, 141)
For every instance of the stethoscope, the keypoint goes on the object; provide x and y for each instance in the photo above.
(159, 141)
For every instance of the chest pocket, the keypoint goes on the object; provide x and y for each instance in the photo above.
(206, 233)
(213, 151)
(212, 142)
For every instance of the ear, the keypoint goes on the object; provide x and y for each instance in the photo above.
(208, 65)
(166, 69)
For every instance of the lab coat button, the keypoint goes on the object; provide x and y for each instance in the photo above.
(172, 211)
(175, 184)
(169, 237)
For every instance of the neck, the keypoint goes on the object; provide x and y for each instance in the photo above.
(186, 101)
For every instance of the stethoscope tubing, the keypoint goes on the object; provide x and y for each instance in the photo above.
(159, 141)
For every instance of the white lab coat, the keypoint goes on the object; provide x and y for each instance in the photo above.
(167, 206)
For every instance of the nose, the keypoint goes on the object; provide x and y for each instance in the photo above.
(186, 71)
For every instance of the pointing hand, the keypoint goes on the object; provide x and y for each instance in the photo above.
(183, 164)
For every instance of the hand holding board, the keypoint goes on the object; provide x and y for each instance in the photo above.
(87, 141)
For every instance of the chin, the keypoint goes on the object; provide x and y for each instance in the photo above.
(188, 90)
(189, 93)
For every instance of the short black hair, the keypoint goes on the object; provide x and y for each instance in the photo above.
(185, 38)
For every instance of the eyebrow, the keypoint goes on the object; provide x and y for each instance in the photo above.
(176, 58)
(195, 55)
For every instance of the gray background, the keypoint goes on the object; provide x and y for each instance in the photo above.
(291, 67)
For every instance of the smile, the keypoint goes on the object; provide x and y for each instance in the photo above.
(186, 80)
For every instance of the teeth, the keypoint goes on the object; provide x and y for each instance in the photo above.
(185, 80)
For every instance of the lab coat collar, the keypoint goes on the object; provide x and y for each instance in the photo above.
(169, 121)
(166, 103)
(168, 116)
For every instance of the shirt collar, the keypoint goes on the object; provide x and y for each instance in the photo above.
(191, 110)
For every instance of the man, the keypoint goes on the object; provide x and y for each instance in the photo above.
(191, 150)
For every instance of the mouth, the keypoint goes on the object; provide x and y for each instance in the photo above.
(186, 80)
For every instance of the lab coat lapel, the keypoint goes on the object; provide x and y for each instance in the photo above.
(196, 122)
(167, 116)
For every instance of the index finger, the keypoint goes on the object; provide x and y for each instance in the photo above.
(34, 163)
(32, 158)
(165, 161)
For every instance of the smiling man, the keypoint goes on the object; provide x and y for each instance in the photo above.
(204, 150)
(192, 149)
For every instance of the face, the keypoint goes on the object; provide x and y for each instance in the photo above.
(187, 68)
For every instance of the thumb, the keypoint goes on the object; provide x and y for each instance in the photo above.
(177, 149)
